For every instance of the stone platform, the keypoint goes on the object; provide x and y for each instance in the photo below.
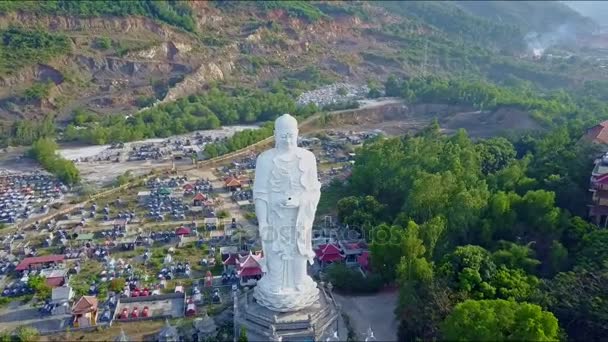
(314, 323)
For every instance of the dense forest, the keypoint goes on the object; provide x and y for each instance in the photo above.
(483, 237)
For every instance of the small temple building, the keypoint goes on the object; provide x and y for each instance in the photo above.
(84, 312)
(249, 269)
(328, 253)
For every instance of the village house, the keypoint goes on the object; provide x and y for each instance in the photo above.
(84, 312)
(60, 299)
(40, 262)
(598, 210)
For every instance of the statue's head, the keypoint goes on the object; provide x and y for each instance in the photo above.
(286, 132)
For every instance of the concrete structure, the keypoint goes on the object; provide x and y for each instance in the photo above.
(60, 298)
(317, 322)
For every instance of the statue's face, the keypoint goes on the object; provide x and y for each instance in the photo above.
(287, 138)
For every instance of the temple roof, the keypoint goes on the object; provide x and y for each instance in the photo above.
(199, 197)
(84, 305)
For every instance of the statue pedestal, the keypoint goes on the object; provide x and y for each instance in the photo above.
(286, 300)
(313, 323)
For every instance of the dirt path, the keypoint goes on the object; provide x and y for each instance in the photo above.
(375, 311)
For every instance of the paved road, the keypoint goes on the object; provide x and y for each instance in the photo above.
(375, 311)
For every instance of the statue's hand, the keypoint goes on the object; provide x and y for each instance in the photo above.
(291, 202)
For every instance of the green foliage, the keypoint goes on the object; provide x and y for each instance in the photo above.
(238, 141)
(360, 212)
(350, 280)
(38, 284)
(103, 43)
(27, 334)
(499, 320)
(117, 285)
(25, 132)
(594, 250)
(195, 112)
(20, 47)
(243, 335)
(38, 91)
(176, 13)
(578, 299)
(458, 24)
(44, 151)
(298, 9)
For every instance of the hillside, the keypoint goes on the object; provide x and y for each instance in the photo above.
(112, 57)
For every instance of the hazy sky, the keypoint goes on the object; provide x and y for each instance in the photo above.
(596, 10)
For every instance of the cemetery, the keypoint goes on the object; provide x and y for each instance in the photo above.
(173, 246)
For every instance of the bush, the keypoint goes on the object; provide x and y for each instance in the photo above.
(117, 285)
(350, 280)
(103, 43)
(27, 334)
(44, 151)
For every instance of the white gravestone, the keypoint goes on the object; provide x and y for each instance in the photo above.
(286, 193)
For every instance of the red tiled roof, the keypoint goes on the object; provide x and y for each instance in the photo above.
(199, 197)
(328, 252)
(183, 231)
(55, 281)
(25, 263)
(84, 305)
(231, 181)
(231, 260)
(598, 133)
(248, 261)
(188, 187)
(249, 272)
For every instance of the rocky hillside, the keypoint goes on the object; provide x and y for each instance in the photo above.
(120, 56)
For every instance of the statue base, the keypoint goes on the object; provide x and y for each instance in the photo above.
(316, 322)
(286, 300)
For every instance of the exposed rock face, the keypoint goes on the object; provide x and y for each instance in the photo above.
(195, 81)
(71, 23)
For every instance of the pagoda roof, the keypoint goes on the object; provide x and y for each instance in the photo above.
(328, 253)
(199, 197)
(328, 248)
(248, 261)
(231, 260)
(231, 181)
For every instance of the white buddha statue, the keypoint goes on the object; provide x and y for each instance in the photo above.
(286, 193)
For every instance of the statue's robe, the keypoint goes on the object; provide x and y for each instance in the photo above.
(287, 238)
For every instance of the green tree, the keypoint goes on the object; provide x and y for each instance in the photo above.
(516, 256)
(577, 299)
(117, 285)
(499, 320)
(243, 335)
(27, 334)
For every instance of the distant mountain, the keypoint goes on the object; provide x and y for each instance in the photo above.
(539, 16)
(596, 10)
